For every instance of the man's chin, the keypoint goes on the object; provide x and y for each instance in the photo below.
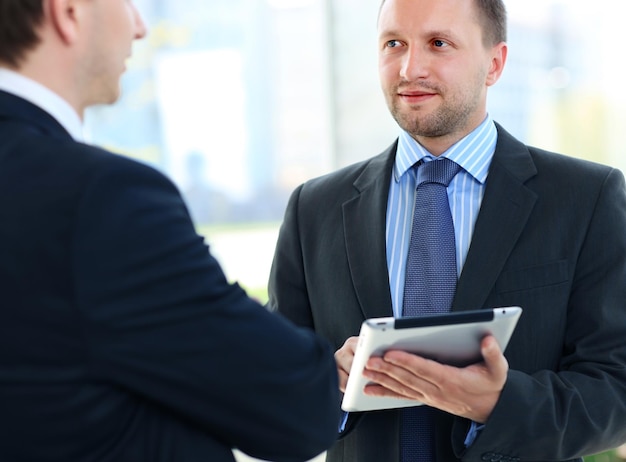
(106, 98)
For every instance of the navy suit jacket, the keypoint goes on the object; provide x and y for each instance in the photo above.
(121, 339)
(550, 237)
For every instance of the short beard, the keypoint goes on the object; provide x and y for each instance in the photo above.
(450, 118)
(445, 121)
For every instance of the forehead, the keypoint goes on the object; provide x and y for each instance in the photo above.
(422, 16)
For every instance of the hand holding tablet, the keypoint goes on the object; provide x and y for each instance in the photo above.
(451, 338)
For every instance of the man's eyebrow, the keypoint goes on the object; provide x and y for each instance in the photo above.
(389, 33)
(433, 33)
(443, 33)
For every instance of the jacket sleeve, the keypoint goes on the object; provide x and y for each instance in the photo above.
(580, 402)
(287, 289)
(162, 322)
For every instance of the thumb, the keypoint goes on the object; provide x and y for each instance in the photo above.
(493, 356)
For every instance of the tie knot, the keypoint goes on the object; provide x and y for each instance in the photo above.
(437, 171)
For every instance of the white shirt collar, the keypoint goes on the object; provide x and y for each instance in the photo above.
(32, 91)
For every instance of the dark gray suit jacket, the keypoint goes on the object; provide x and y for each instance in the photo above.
(550, 237)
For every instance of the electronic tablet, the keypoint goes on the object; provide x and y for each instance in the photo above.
(451, 338)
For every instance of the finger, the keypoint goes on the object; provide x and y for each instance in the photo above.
(384, 385)
(426, 370)
(347, 349)
(402, 377)
(350, 344)
(343, 358)
(343, 380)
(380, 391)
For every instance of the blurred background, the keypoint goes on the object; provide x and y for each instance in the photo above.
(240, 101)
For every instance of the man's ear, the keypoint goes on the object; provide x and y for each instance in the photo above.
(64, 17)
(499, 54)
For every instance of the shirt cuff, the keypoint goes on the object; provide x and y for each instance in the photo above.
(344, 419)
(473, 433)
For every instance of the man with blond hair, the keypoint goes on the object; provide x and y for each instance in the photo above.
(529, 228)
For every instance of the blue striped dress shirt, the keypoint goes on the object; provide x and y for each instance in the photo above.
(465, 192)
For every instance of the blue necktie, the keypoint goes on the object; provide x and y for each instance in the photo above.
(430, 284)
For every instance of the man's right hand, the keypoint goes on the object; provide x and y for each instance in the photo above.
(343, 358)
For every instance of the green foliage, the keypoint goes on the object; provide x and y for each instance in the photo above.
(609, 456)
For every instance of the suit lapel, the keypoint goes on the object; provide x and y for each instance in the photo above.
(364, 218)
(505, 209)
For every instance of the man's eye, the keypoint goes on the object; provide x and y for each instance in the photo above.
(439, 43)
(393, 44)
